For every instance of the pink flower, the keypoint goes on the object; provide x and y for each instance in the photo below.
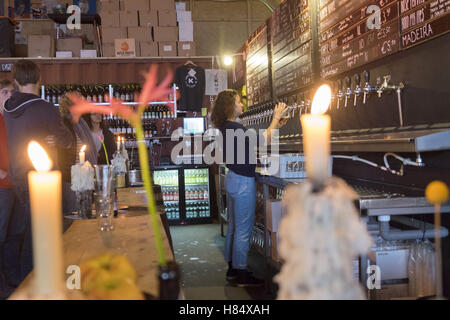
(150, 92)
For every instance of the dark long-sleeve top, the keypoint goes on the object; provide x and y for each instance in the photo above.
(28, 117)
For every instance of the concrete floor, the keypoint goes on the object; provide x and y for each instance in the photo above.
(199, 253)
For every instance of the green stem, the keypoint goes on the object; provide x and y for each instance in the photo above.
(106, 153)
(151, 208)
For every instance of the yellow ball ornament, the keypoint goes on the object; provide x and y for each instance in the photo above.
(437, 192)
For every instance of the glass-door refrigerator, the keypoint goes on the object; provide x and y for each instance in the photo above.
(197, 195)
(169, 182)
(186, 193)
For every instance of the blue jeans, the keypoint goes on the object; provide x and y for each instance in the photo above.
(13, 223)
(241, 202)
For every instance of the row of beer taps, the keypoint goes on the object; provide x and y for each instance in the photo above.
(263, 113)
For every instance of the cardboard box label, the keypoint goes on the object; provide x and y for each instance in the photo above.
(64, 54)
(186, 31)
(125, 47)
(180, 6)
(88, 53)
(167, 48)
(184, 16)
(186, 47)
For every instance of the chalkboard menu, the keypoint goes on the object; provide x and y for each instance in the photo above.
(356, 32)
(291, 47)
(238, 75)
(423, 20)
(257, 65)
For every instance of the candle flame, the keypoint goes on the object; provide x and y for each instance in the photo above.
(39, 157)
(83, 148)
(322, 100)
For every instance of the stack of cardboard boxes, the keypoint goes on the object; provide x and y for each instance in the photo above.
(35, 38)
(186, 45)
(144, 28)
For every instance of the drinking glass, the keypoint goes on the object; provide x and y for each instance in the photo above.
(104, 196)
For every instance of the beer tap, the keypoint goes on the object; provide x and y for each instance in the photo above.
(367, 88)
(348, 93)
(333, 95)
(385, 86)
(340, 94)
(358, 89)
(302, 104)
(307, 104)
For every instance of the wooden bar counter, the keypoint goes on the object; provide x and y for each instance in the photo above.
(132, 237)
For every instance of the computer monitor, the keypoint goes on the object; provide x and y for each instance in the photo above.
(194, 125)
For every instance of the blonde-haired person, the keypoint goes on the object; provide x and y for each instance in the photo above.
(240, 181)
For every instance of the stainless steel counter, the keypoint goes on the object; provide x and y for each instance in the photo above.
(376, 199)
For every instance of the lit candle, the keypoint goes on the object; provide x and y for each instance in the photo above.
(316, 137)
(82, 155)
(46, 219)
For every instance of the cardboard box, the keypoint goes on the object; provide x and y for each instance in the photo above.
(184, 16)
(110, 18)
(132, 5)
(165, 34)
(36, 27)
(273, 215)
(21, 50)
(167, 49)
(109, 34)
(125, 47)
(186, 49)
(162, 5)
(88, 53)
(140, 33)
(180, 6)
(109, 5)
(148, 49)
(64, 54)
(41, 46)
(186, 32)
(71, 44)
(148, 18)
(167, 18)
(129, 19)
(108, 50)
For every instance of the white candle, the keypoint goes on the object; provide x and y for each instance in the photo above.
(46, 219)
(118, 143)
(82, 155)
(316, 137)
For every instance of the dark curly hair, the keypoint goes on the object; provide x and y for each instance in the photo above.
(223, 107)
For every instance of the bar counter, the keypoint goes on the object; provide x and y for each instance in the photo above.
(132, 237)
